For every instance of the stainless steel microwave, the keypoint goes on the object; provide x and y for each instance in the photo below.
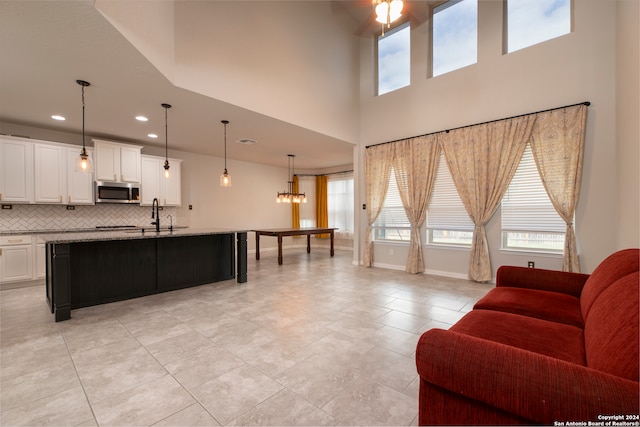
(117, 192)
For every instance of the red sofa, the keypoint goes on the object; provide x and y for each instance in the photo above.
(541, 347)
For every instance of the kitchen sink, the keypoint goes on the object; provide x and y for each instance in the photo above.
(141, 230)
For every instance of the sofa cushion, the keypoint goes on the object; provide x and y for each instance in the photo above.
(615, 266)
(612, 328)
(552, 339)
(546, 305)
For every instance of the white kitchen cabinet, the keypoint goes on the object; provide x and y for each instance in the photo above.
(50, 180)
(170, 188)
(155, 185)
(116, 162)
(16, 170)
(16, 258)
(79, 184)
(150, 182)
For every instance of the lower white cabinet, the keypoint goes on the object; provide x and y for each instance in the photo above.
(16, 258)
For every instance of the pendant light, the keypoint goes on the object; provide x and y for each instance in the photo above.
(166, 141)
(290, 196)
(84, 163)
(225, 178)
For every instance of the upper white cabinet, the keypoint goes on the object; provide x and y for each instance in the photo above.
(171, 187)
(50, 185)
(116, 162)
(155, 185)
(79, 184)
(16, 170)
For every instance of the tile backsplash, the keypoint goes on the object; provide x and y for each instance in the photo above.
(57, 217)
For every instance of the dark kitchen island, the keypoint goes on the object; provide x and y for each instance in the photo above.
(85, 269)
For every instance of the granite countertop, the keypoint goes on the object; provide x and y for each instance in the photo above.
(149, 233)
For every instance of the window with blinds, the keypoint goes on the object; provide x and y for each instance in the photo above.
(529, 220)
(447, 220)
(392, 222)
(307, 185)
(340, 204)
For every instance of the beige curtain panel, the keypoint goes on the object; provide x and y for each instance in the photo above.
(557, 143)
(378, 161)
(415, 164)
(482, 160)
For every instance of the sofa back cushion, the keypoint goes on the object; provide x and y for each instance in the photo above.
(615, 266)
(611, 329)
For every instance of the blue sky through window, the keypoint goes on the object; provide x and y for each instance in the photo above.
(455, 36)
(533, 21)
(394, 65)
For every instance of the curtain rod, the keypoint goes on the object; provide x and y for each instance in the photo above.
(587, 103)
(323, 174)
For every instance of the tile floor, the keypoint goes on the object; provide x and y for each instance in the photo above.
(316, 341)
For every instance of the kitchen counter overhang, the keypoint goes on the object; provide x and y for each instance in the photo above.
(85, 269)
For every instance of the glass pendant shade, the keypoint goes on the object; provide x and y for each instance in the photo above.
(166, 169)
(84, 163)
(225, 179)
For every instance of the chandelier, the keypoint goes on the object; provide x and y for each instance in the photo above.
(387, 11)
(290, 196)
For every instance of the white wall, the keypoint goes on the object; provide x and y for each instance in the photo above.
(577, 67)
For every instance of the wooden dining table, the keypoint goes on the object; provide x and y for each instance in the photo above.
(282, 232)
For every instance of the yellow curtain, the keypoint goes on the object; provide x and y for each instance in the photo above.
(295, 207)
(322, 210)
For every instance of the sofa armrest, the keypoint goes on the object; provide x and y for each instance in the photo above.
(540, 279)
(530, 385)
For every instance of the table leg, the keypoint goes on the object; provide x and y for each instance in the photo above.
(331, 242)
(279, 249)
(257, 245)
(308, 243)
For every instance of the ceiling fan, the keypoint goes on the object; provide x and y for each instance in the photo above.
(364, 11)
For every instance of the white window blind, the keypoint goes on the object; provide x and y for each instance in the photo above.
(526, 205)
(307, 185)
(340, 204)
(392, 222)
(446, 211)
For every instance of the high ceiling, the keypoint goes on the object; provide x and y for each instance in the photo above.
(46, 46)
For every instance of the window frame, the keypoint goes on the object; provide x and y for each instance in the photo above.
(431, 46)
(399, 229)
(429, 230)
(505, 29)
(507, 232)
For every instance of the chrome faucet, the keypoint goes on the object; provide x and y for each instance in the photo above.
(155, 214)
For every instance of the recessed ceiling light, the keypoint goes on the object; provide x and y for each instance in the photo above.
(141, 118)
(246, 141)
(152, 135)
(56, 117)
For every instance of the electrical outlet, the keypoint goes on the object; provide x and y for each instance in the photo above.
(190, 207)
(531, 264)
(7, 206)
(71, 208)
